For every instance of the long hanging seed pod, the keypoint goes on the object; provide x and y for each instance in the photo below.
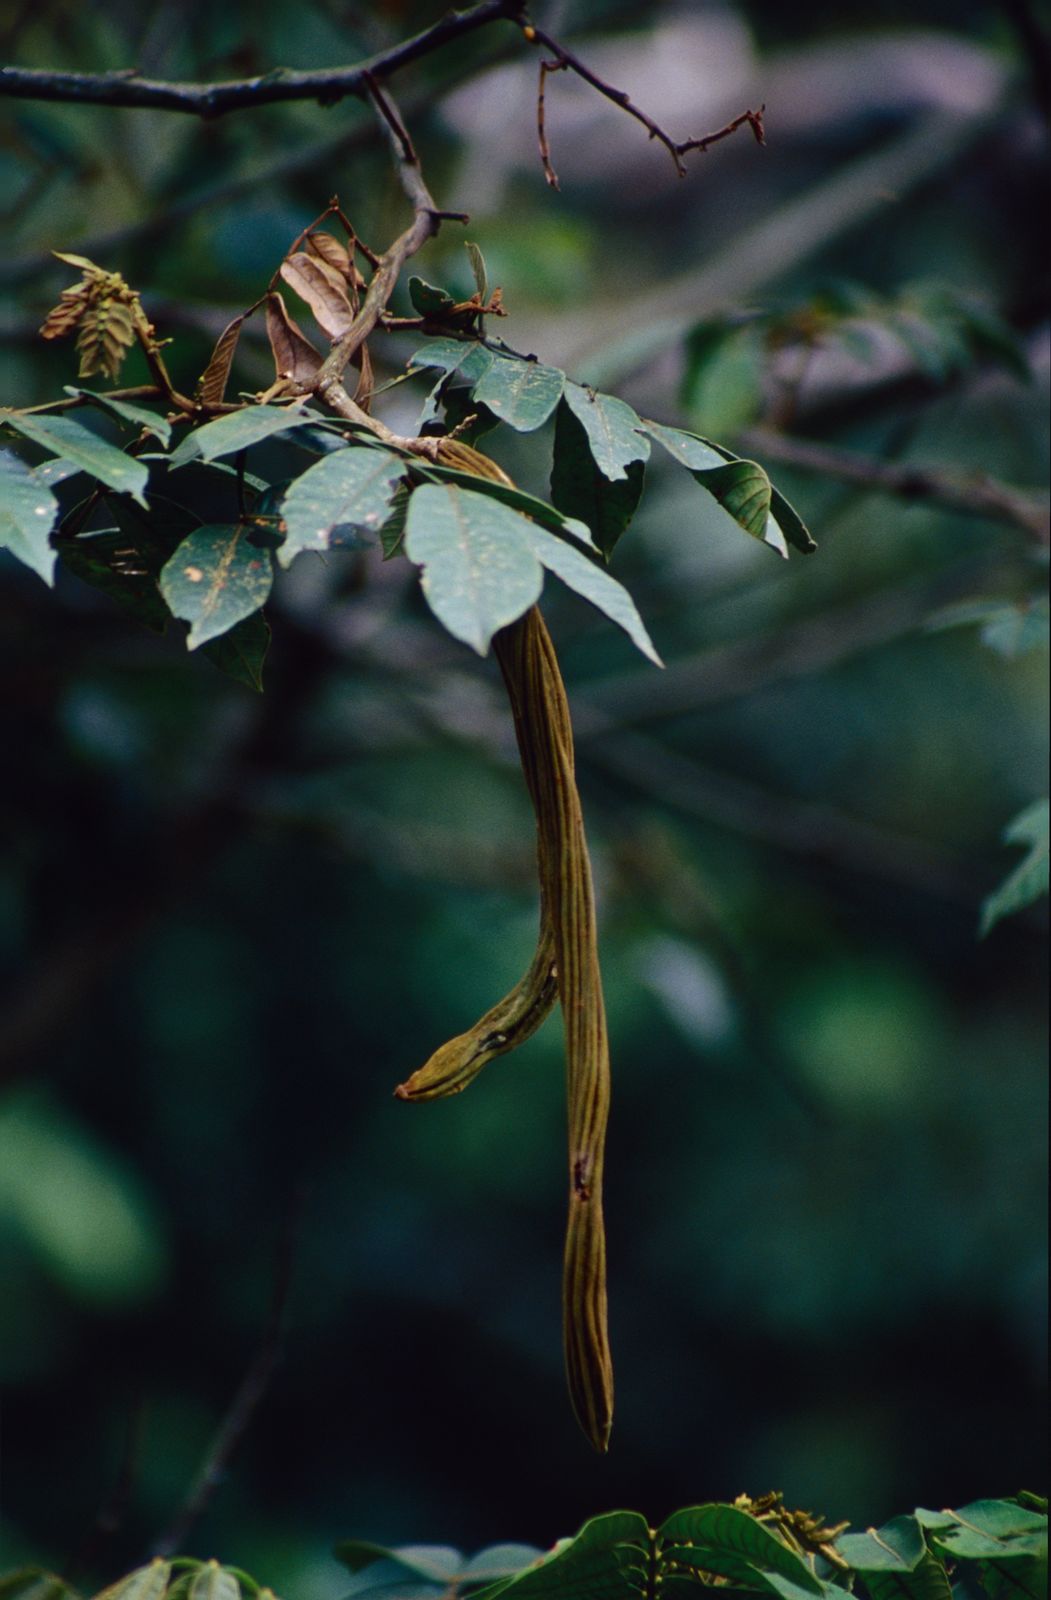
(512, 1021)
(567, 944)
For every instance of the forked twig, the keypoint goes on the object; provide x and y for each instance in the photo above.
(564, 59)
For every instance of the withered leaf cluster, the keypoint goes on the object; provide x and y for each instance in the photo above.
(106, 312)
(323, 272)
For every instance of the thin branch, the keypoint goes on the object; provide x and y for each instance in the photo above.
(975, 495)
(127, 88)
(546, 67)
(564, 59)
(425, 225)
(310, 159)
(138, 391)
(246, 1400)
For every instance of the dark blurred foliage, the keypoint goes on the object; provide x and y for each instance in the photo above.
(230, 925)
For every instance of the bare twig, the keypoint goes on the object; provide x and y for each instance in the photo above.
(109, 1519)
(541, 128)
(127, 88)
(565, 59)
(138, 391)
(976, 495)
(245, 1403)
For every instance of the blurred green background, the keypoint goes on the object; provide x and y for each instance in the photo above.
(230, 925)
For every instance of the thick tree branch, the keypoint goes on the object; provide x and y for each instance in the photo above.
(976, 495)
(127, 88)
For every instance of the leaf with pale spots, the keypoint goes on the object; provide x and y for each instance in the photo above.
(27, 513)
(237, 431)
(604, 505)
(478, 573)
(613, 429)
(348, 490)
(521, 393)
(215, 578)
(483, 566)
(77, 444)
(468, 360)
(136, 416)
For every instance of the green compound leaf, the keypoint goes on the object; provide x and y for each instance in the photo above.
(125, 562)
(607, 1560)
(521, 393)
(459, 410)
(897, 1547)
(578, 488)
(993, 1530)
(791, 523)
(426, 1572)
(482, 566)
(392, 533)
(213, 1582)
(499, 1560)
(1023, 1578)
(894, 1561)
(688, 449)
(214, 579)
(592, 583)
(701, 456)
(33, 1583)
(470, 361)
(728, 1541)
(547, 516)
(743, 489)
(481, 283)
(927, 1581)
(1029, 880)
(125, 411)
(27, 514)
(479, 574)
(240, 654)
(613, 430)
(348, 490)
(145, 1583)
(237, 431)
(74, 443)
(429, 300)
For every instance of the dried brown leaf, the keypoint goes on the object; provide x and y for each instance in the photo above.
(323, 290)
(63, 318)
(294, 355)
(211, 386)
(106, 334)
(329, 249)
(363, 391)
